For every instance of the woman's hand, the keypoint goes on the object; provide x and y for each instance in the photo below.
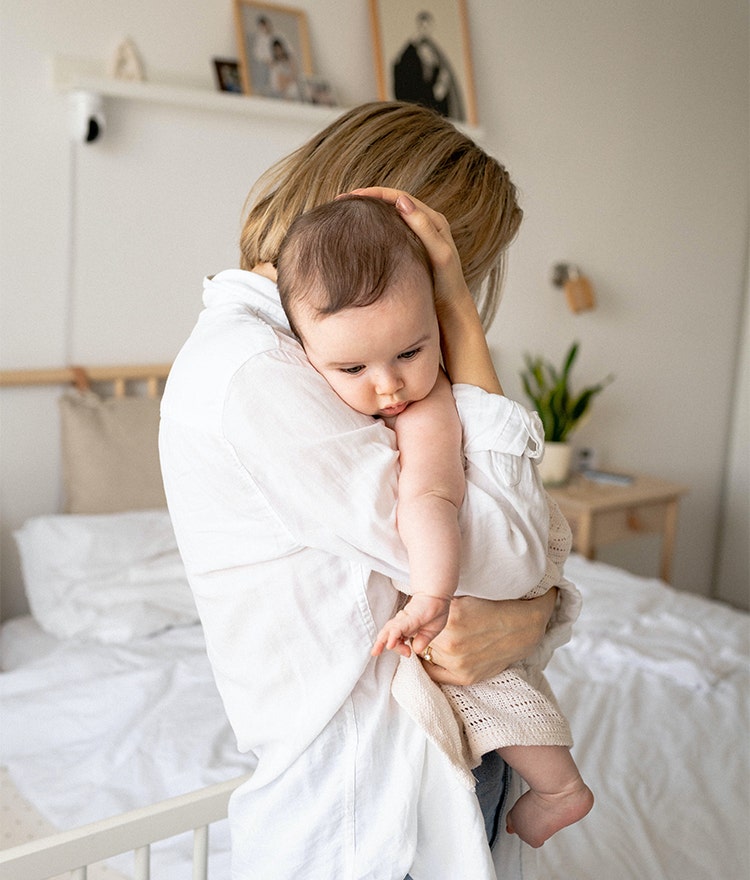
(484, 637)
(465, 351)
(434, 231)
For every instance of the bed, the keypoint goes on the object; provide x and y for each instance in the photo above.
(111, 722)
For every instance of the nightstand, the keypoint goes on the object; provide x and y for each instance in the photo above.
(603, 513)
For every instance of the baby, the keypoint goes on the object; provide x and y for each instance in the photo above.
(356, 285)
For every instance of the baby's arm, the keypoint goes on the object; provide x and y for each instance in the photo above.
(430, 491)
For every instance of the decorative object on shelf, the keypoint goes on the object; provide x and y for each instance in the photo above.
(578, 290)
(559, 409)
(77, 74)
(126, 63)
(423, 55)
(319, 91)
(274, 50)
(227, 71)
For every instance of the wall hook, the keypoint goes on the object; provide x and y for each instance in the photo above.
(578, 289)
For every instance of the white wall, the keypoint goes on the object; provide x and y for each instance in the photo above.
(625, 126)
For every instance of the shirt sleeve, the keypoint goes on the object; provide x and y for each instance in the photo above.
(330, 474)
(506, 510)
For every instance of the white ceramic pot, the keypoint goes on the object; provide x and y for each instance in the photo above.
(555, 465)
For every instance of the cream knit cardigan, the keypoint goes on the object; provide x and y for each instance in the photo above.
(516, 707)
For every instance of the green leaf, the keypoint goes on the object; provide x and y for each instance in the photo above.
(549, 392)
(572, 353)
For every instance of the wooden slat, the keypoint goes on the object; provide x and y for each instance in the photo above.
(200, 853)
(67, 375)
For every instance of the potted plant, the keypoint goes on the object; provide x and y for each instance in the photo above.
(559, 408)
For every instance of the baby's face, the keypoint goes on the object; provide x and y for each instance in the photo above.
(379, 358)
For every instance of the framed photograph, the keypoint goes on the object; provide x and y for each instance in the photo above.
(274, 50)
(423, 55)
(227, 71)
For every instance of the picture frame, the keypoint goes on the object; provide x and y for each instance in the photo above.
(227, 73)
(319, 91)
(422, 54)
(274, 50)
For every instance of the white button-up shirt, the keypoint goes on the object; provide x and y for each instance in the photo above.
(283, 501)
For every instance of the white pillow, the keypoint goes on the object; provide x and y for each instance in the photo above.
(106, 577)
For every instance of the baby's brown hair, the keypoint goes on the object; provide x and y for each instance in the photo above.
(345, 254)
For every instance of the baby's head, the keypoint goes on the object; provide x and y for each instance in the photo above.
(345, 254)
(356, 285)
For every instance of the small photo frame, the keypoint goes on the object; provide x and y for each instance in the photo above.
(423, 55)
(227, 72)
(319, 91)
(274, 50)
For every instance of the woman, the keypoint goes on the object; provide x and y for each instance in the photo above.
(283, 501)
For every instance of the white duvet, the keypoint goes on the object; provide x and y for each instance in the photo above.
(654, 682)
(91, 730)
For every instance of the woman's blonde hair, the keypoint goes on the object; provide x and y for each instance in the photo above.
(406, 147)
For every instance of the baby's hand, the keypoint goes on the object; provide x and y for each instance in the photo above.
(421, 621)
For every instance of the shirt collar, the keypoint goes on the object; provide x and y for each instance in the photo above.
(256, 292)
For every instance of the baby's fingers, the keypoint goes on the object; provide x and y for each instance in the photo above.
(399, 646)
(392, 637)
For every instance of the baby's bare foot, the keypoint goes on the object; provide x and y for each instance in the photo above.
(536, 816)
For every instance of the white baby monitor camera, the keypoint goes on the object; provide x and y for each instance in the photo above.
(86, 116)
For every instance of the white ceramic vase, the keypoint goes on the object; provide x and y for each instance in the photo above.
(555, 465)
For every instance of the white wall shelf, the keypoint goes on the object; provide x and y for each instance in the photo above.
(75, 74)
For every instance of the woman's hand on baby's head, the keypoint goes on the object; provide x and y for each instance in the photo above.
(434, 232)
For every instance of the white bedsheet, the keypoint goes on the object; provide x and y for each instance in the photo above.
(92, 730)
(655, 684)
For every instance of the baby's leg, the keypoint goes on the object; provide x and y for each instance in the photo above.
(557, 796)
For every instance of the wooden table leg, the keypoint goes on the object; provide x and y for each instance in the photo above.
(668, 541)
(585, 535)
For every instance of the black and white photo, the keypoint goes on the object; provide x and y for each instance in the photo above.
(423, 55)
(274, 50)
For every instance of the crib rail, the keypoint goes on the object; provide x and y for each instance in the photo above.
(135, 831)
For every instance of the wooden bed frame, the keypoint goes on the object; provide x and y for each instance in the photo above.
(84, 377)
(135, 831)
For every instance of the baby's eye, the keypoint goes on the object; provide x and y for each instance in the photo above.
(408, 355)
(352, 371)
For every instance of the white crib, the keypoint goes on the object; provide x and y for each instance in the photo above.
(135, 831)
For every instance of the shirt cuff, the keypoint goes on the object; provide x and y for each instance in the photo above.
(498, 424)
